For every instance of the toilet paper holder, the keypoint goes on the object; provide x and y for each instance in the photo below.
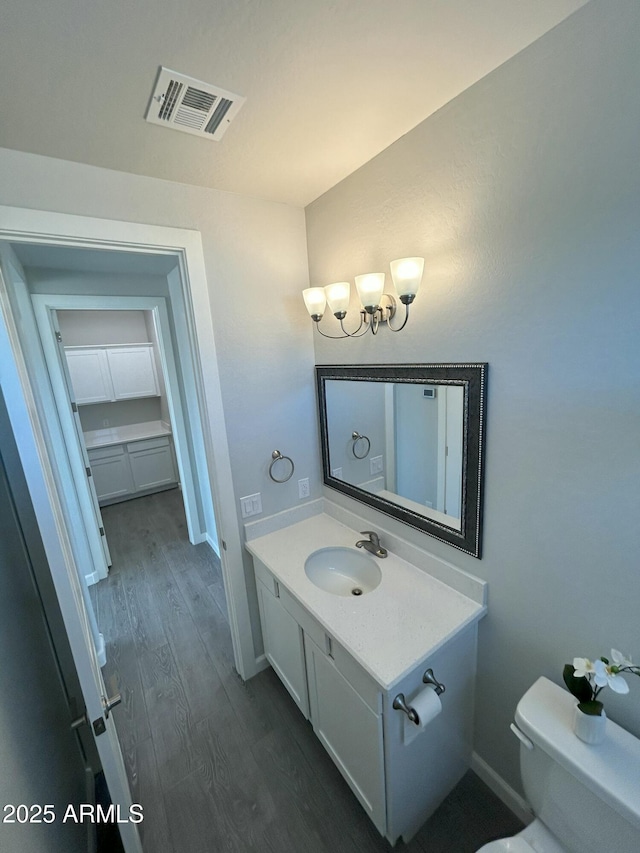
(400, 703)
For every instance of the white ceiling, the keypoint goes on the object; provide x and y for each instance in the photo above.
(329, 83)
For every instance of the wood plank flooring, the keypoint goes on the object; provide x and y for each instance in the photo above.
(220, 765)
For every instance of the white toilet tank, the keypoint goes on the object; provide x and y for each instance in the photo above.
(588, 796)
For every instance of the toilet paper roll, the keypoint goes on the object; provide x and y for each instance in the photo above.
(427, 705)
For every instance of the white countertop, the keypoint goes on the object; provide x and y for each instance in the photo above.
(120, 435)
(389, 630)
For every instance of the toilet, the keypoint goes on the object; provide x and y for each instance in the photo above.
(586, 799)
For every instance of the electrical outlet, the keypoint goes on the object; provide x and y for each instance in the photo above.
(303, 488)
(251, 505)
(375, 465)
(337, 473)
(106, 422)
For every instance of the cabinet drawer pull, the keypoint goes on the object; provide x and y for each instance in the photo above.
(276, 588)
(328, 647)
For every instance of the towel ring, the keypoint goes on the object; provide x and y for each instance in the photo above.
(276, 456)
(356, 438)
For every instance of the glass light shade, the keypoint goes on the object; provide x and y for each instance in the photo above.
(315, 300)
(338, 296)
(407, 275)
(370, 287)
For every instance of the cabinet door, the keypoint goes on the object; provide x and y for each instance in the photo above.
(133, 372)
(89, 376)
(284, 646)
(111, 472)
(152, 463)
(349, 730)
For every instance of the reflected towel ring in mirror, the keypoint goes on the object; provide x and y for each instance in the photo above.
(276, 456)
(357, 449)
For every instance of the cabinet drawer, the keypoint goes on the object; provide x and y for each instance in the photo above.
(148, 443)
(106, 452)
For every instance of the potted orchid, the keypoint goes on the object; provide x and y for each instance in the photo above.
(586, 679)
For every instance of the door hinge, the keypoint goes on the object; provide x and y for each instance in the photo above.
(74, 408)
(88, 470)
(59, 337)
(224, 545)
(101, 529)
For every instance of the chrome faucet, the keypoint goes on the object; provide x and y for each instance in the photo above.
(372, 544)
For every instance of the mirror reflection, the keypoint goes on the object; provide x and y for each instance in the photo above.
(408, 441)
(401, 441)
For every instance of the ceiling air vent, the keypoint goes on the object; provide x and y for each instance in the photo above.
(192, 106)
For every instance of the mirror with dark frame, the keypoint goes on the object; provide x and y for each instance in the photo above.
(408, 441)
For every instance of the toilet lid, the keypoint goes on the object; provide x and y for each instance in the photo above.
(517, 844)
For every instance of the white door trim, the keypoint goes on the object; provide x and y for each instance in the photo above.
(34, 226)
(40, 479)
(45, 303)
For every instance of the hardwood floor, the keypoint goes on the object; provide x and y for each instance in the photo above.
(220, 765)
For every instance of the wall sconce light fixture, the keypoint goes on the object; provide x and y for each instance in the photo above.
(377, 307)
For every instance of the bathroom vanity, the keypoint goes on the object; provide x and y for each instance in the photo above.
(345, 658)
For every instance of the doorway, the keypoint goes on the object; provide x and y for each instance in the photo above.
(189, 289)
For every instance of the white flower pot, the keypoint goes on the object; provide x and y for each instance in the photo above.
(589, 728)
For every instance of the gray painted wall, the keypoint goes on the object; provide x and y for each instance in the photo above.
(256, 266)
(523, 194)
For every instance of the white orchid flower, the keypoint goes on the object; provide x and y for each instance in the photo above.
(583, 667)
(619, 659)
(604, 677)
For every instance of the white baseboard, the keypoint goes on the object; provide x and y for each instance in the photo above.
(501, 789)
(261, 663)
(213, 545)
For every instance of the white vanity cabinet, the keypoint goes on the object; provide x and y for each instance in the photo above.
(109, 373)
(348, 727)
(342, 701)
(346, 662)
(132, 469)
(283, 643)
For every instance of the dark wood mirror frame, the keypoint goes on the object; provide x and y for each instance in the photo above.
(473, 378)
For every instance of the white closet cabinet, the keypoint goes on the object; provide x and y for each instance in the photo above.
(109, 373)
(90, 377)
(151, 463)
(133, 372)
(132, 469)
(111, 473)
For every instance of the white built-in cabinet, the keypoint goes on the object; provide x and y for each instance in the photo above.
(108, 373)
(340, 699)
(134, 468)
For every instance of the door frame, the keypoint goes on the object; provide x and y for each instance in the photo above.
(20, 225)
(44, 305)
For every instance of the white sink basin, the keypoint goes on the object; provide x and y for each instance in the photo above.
(342, 571)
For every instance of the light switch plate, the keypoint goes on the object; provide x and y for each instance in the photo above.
(375, 465)
(251, 505)
(337, 473)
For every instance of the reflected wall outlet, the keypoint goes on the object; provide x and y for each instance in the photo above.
(375, 465)
(337, 473)
(303, 488)
(251, 505)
